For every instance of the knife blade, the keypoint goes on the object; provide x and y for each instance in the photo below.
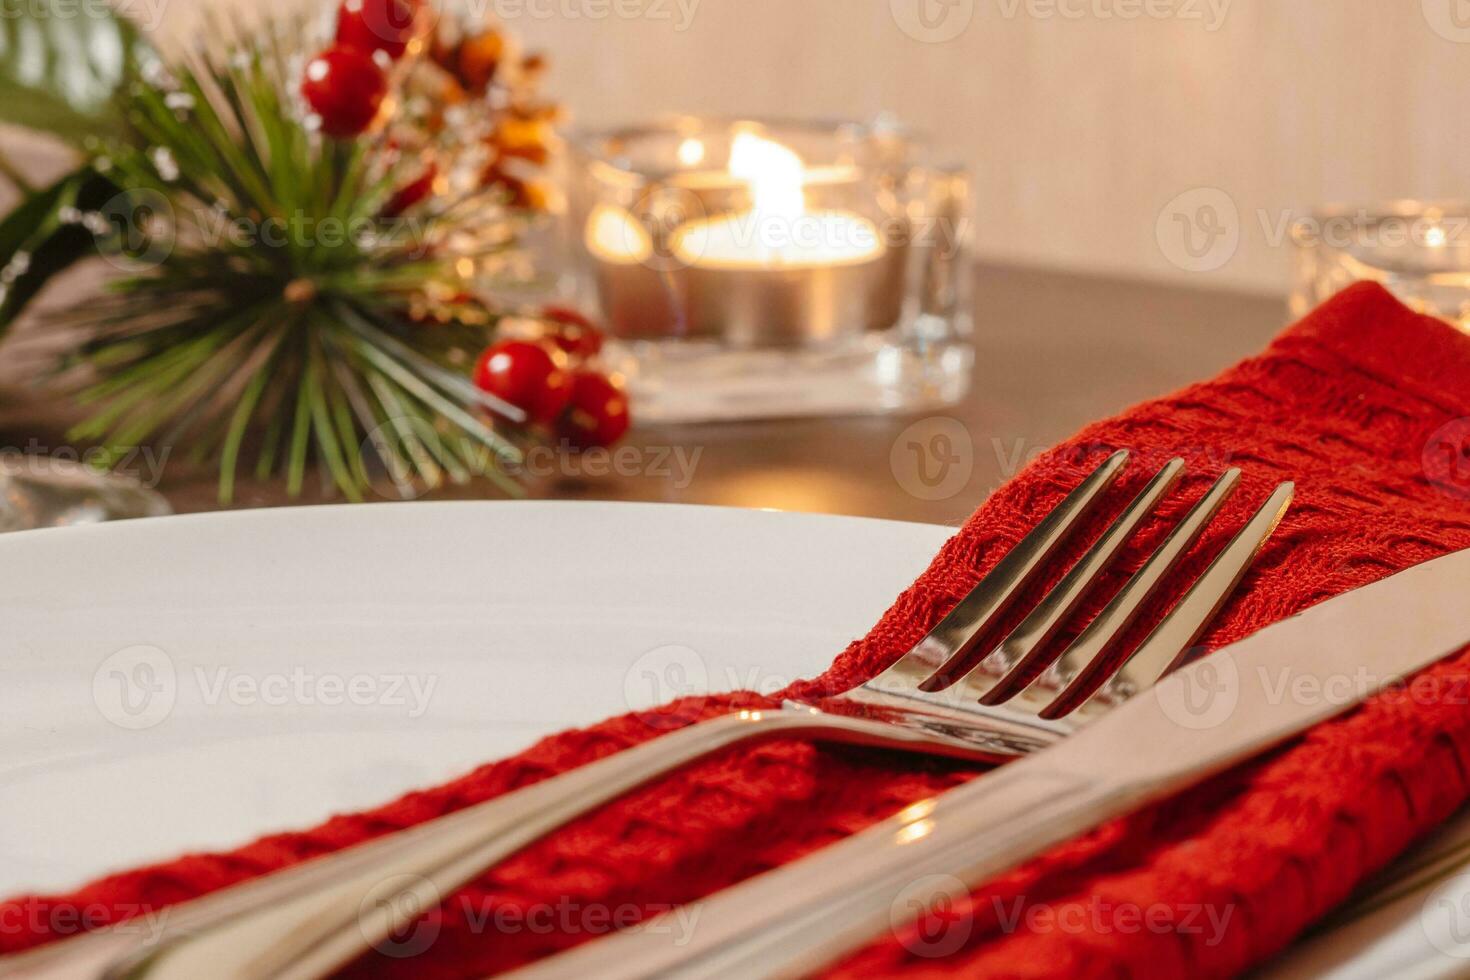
(1204, 718)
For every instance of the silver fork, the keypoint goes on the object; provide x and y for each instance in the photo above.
(307, 922)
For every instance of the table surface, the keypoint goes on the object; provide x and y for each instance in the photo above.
(1053, 352)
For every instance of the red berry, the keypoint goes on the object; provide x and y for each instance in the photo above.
(345, 87)
(574, 335)
(598, 413)
(527, 376)
(378, 25)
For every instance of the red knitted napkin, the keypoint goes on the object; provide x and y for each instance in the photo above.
(1364, 404)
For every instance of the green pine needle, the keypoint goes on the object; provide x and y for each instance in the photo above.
(245, 328)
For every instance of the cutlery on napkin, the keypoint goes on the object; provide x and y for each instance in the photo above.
(1354, 403)
(1220, 710)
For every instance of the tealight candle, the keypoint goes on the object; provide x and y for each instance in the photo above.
(1419, 250)
(779, 230)
(776, 272)
(754, 269)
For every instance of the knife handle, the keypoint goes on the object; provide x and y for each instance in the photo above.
(793, 921)
(308, 921)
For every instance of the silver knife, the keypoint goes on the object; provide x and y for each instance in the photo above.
(1204, 718)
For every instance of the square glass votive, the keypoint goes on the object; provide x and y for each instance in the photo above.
(757, 268)
(1418, 250)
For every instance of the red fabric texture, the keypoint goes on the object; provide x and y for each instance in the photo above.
(1359, 404)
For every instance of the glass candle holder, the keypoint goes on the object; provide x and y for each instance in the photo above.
(748, 268)
(42, 491)
(1419, 251)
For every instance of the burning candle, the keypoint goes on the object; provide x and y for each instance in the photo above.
(779, 231)
(749, 269)
(773, 270)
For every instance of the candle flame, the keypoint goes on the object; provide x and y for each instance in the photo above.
(691, 152)
(774, 172)
(779, 230)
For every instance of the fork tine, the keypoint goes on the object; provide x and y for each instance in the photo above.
(1018, 652)
(1166, 645)
(1057, 683)
(955, 636)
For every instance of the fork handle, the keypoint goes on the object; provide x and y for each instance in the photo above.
(310, 921)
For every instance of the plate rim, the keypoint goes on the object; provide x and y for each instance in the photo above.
(306, 511)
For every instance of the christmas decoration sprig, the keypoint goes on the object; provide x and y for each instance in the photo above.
(300, 240)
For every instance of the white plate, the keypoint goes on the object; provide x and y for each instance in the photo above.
(194, 682)
(163, 682)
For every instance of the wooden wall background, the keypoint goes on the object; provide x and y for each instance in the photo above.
(1082, 119)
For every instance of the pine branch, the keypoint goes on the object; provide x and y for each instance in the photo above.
(297, 348)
